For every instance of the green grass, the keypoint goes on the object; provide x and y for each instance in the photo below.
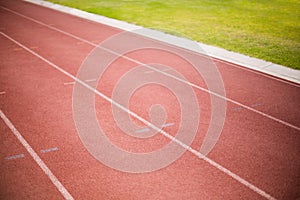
(265, 29)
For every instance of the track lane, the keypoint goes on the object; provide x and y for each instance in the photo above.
(256, 93)
(60, 61)
(83, 170)
(21, 178)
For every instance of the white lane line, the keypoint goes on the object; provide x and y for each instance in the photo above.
(148, 72)
(255, 105)
(14, 157)
(252, 106)
(17, 49)
(237, 109)
(154, 69)
(168, 124)
(142, 130)
(151, 71)
(69, 83)
(73, 82)
(36, 158)
(2, 93)
(90, 80)
(49, 150)
(148, 124)
(146, 129)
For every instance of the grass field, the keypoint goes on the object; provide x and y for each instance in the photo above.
(265, 29)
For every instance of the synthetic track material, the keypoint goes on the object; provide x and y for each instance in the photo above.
(253, 146)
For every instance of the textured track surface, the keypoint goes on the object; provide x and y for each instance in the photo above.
(260, 139)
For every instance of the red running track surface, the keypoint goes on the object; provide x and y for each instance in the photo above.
(256, 156)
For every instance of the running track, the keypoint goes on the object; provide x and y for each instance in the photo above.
(42, 156)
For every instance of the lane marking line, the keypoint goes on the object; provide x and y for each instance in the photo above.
(73, 82)
(15, 157)
(80, 42)
(151, 71)
(188, 148)
(36, 158)
(238, 109)
(256, 105)
(148, 72)
(252, 106)
(49, 150)
(168, 124)
(142, 130)
(69, 83)
(2, 93)
(90, 80)
(17, 49)
(146, 129)
(164, 73)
